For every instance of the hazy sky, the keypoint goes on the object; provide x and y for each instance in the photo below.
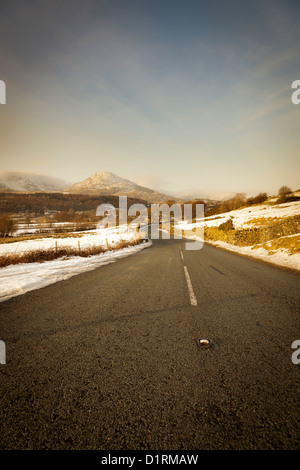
(174, 95)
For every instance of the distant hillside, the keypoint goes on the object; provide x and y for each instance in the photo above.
(103, 183)
(21, 181)
(107, 183)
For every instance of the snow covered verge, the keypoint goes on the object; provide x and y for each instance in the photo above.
(108, 238)
(23, 277)
(279, 222)
(280, 257)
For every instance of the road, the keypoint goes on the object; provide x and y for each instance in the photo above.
(108, 359)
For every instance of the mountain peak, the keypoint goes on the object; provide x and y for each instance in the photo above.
(107, 183)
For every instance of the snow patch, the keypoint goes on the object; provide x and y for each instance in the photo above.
(21, 278)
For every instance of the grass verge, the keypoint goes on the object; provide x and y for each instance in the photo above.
(39, 256)
(291, 244)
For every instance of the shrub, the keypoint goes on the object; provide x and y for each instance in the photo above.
(7, 226)
(228, 225)
(232, 204)
(284, 190)
(259, 199)
(246, 237)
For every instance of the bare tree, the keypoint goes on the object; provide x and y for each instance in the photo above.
(284, 190)
(7, 225)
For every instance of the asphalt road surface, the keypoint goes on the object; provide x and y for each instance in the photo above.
(109, 358)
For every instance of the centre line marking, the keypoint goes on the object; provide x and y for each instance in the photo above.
(193, 299)
(181, 255)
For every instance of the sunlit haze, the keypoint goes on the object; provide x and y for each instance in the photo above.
(190, 96)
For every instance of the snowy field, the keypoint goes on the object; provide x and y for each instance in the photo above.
(281, 257)
(246, 217)
(251, 217)
(86, 239)
(20, 278)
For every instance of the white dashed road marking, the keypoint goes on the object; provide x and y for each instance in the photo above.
(193, 299)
